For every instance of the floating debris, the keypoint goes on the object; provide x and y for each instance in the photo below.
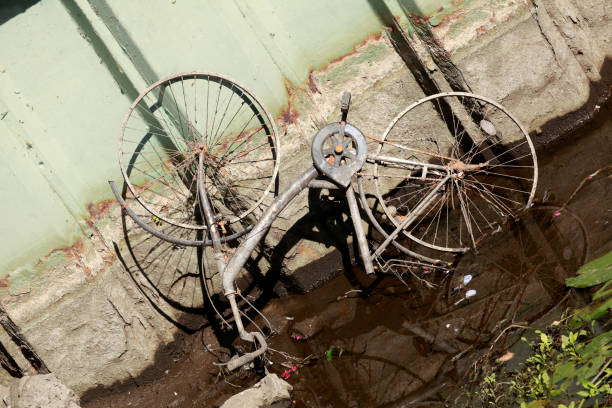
(506, 357)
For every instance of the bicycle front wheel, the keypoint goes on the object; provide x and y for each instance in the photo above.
(175, 119)
(488, 155)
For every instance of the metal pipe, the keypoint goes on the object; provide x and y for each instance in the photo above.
(247, 358)
(243, 252)
(317, 183)
(244, 335)
(364, 250)
(412, 216)
(161, 235)
(396, 160)
(209, 218)
(380, 229)
(220, 261)
(237, 261)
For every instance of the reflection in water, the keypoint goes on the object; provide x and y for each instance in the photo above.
(399, 339)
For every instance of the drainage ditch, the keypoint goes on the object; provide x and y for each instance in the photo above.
(380, 342)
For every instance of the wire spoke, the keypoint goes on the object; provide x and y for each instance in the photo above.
(447, 130)
(162, 136)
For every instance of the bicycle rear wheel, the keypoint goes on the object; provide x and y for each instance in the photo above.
(487, 153)
(171, 122)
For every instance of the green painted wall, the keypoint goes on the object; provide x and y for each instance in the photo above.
(69, 70)
(60, 108)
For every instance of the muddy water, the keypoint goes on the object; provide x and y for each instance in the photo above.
(377, 342)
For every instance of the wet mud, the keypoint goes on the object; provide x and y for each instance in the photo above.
(359, 341)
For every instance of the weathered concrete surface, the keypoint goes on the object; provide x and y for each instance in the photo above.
(552, 85)
(95, 322)
(38, 391)
(97, 332)
(271, 391)
(102, 332)
(587, 29)
(536, 58)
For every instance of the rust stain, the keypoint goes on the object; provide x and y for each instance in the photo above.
(419, 21)
(109, 257)
(461, 12)
(312, 85)
(72, 252)
(308, 252)
(101, 209)
(356, 48)
(289, 115)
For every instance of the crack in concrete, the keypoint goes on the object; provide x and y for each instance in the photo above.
(27, 350)
(440, 57)
(125, 322)
(536, 17)
(125, 325)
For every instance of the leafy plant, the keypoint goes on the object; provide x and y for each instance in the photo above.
(570, 363)
(590, 275)
(329, 353)
(577, 367)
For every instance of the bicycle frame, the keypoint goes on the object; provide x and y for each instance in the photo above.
(322, 175)
(311, 178)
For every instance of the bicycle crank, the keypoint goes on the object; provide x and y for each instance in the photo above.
(339, 149)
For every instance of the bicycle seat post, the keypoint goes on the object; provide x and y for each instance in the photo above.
(345, 104)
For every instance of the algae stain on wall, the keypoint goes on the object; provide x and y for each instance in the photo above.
(69, 93)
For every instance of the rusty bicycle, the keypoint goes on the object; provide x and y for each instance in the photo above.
(199, 152)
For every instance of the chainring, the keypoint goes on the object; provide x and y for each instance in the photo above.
(338, 151)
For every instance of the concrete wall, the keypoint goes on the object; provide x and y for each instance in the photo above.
(69, 70)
